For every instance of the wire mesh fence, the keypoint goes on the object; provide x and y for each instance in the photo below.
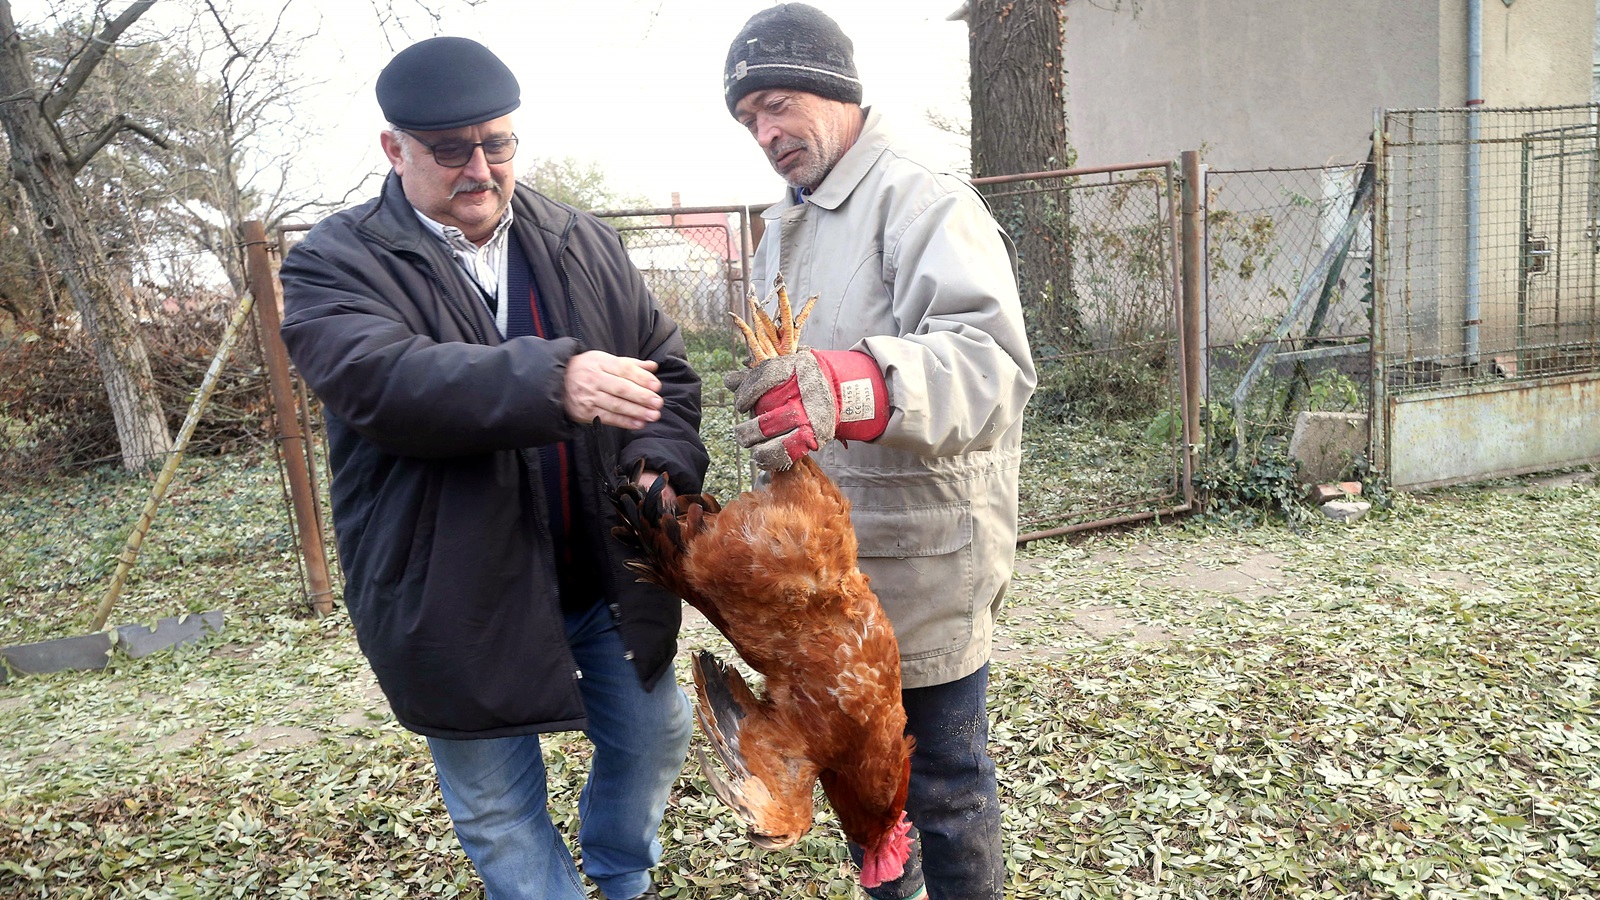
(1285, 329)
(1488, 258)
(693, 264)
(1288, 301)
(1102, 436)
(696, 262)
(1097, 270)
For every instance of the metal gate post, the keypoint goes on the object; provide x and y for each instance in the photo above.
(291, 441)
(1191, 299)
(1378, 380)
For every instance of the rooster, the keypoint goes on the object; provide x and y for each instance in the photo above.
(775, 571)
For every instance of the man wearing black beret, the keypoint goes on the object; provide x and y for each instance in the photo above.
(917, 362)
(486, 358)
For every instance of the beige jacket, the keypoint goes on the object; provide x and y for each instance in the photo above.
(910, 267)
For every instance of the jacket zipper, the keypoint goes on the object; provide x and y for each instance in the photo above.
(529, 468)
(594, 437)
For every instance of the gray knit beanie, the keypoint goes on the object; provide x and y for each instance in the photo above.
(791, 45)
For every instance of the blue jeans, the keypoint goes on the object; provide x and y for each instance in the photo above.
(495, 788)
(954, 802)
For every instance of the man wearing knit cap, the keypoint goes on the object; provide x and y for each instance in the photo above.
(909, 392)
(487, 358)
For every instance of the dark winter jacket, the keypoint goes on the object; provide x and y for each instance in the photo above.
(433, 423)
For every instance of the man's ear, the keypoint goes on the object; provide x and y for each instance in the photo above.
(392, 149)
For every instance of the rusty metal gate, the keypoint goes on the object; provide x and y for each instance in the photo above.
(1111, 428)
(696, 260)
(1486, 328)
(1109, 434)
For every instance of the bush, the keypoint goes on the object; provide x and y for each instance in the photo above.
(1111, 385)
(54, 409)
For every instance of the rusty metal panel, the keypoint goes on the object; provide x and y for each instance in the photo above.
(1445, 437)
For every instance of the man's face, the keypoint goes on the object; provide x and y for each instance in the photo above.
(472, 197)
(802, 134)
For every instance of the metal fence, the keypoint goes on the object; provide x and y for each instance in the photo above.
(697, 263)
(1490, 230)
(1098, 269)
(693, 259)
(1288, 301)
(1103, 434)
(1488, 323)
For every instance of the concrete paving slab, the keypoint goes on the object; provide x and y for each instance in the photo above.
(88, 651)
(1561, 482)
(1326, 443)
(1105, 621)
(138, 641)
(1219, 581)
(1263, 567)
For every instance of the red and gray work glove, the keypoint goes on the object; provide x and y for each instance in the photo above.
(806, 399)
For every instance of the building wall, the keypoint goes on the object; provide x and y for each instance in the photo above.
(1537, 52)
(1257, 83)
(1251, 83)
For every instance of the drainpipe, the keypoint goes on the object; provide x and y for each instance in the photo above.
(1470, 311)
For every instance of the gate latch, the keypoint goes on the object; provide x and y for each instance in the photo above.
(1536, 254)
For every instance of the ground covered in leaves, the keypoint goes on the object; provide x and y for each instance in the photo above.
(1404, 707)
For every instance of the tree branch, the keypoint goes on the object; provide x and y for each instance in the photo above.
(99, 46)
(108, 131)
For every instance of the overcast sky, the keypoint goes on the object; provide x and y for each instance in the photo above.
(632, 85)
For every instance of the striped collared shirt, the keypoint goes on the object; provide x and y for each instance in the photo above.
(485, 265)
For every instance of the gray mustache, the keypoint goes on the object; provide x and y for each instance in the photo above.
(475, 186)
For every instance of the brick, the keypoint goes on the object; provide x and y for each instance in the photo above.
(1322, 493)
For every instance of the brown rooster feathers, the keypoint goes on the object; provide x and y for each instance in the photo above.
(775, 572)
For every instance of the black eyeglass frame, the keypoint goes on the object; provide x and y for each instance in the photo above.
(471, 149)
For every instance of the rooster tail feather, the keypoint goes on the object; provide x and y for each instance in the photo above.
(724, 791)
(775, 815)
(725, 701)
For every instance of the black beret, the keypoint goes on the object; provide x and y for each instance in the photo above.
(446, 82)
(795, 46)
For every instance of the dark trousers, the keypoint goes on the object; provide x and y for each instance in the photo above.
(953, 804)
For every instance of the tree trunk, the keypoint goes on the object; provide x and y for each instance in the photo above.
(45, 173)
(1019, 125)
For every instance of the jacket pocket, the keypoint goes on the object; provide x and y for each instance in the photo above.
(919, 560)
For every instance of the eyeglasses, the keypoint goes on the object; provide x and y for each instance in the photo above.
(455, 154)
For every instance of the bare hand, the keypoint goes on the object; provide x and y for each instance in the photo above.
(622, 392)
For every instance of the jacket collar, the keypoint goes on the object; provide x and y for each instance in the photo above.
(848, 172)
(394, 221)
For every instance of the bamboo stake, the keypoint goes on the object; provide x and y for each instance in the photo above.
(208, 385)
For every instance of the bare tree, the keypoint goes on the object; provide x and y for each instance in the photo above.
(27, 288)
(130, 151)
(1018, 126)
(45, 161)
(241, 136)
(223, 94)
